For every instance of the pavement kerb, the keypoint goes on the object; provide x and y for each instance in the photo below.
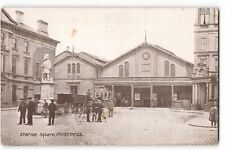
(11, 108)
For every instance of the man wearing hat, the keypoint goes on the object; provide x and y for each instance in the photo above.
(22, 109)
(30, 111)
(51, 108)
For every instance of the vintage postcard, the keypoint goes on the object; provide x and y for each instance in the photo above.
(109, 76)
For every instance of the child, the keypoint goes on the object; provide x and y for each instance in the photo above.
(213, 115)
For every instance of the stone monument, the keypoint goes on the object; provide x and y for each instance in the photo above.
(47, 84)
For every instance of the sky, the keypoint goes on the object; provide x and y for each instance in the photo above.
(109, 32)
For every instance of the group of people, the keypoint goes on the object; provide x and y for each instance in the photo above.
(95, 109)
(29, 107)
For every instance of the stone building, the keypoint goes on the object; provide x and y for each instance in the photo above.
(22, 53)
(205, 75)
(146, 76)
(75, 73)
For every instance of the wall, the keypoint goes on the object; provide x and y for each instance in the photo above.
(156, 61)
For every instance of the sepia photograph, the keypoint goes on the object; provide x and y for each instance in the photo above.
(109, 76)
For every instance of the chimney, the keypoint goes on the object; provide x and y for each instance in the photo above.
(42, 27)
(19, 16)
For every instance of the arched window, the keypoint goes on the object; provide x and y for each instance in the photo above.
(78, 67)
(68, 68)
(121, 71)
(73, 68)
(172, 70)
(166, 68)
(126, 69)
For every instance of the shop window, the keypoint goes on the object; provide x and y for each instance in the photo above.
(166, 68)
(121, 71)
(126, 69)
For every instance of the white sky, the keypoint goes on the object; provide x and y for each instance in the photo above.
(109, 32)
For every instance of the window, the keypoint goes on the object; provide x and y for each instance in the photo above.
(78, 67)
(68, 68)
(37, 70)
(26, 45)
(14, 43)
(3, 58)
(216, 16)
(25, 92)
(26, 67)
(14, 66)
(166, 68)
(73, 68)
(73, 90)
(216, 64)
(13, 93)
(203, 43)
(172, 70)
(216, 43)
(126, 69)
(204, 16)
(121, 71)
(2, 38)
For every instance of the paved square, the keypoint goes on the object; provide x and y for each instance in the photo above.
(139, 126)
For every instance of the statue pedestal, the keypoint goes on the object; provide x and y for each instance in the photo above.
(47, 89)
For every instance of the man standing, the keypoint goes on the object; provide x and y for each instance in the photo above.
(51, 108)
(100, 109)
(88, 111)
(30, 110)
(22, 109)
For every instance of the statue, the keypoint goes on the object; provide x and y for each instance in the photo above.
(46, 66)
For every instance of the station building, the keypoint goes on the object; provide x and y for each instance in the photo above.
(145, 76)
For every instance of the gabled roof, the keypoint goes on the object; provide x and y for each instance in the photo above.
(82, 55)
(145, 44)
(9, 18)
(96, 57)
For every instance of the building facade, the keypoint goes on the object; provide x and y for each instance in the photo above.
(75, 73)
(22, 53)
(205, 75)
(146, 76)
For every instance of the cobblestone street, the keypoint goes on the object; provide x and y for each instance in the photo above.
(128, 127)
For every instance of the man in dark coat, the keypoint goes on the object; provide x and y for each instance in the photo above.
(30, 111)
(51, 108)
(88, 111)
(100, 107)
(22, 109)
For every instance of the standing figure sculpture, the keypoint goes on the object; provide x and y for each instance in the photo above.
(46, 68)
